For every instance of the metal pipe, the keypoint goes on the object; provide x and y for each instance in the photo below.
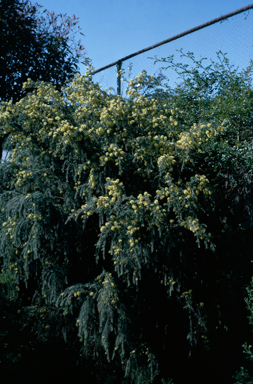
(119, 64)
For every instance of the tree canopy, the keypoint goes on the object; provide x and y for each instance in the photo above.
(126, 223)
(35, 44)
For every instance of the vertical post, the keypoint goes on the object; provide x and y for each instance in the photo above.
(119, 63)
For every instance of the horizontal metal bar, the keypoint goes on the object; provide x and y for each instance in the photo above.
(118, 62)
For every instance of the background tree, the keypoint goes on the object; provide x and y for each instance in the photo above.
(35, 44)
(129, 228)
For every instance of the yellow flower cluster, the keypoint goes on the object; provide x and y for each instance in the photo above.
(65, 130)
(107, 294)
(34, 216)
(13, 266)
(10, 227)
(110, 153)
(22, 176)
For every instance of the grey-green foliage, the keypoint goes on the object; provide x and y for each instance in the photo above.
(8, 286)
(170, 381)
(114, 211)
(243, 376)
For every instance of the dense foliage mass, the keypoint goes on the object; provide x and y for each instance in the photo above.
(127, 222)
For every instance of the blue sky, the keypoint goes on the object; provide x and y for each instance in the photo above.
(115, 28)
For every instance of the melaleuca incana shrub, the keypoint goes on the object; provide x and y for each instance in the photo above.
(130, 229)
